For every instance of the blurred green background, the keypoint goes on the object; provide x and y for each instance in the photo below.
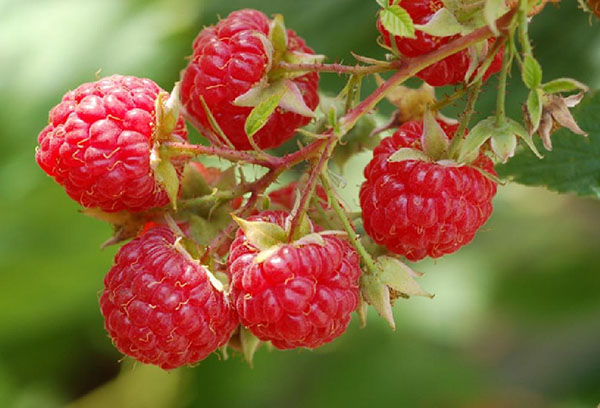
(516, 317)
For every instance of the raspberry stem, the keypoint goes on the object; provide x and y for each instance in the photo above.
(340, 68)
(311, 183)
(456, 142)
(342, 216)
(414, 65)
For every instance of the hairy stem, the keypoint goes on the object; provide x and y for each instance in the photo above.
(309, 188)
(465, 119)
(339, 68)
(352, 235)
(414, 65)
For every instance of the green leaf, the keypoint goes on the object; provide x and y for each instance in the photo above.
(534, 109)
(442, 24)
(382, 3)
(261, 234)
(564, 85)
(259, 116)
(573, 166)
(531, 72)
(397, 21)
(517, 129)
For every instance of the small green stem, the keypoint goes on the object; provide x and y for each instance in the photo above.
(501, 97)
(352, 236)
(339, 68)
(524, 27)
(458, 138)
(448, 100)
(309, 188)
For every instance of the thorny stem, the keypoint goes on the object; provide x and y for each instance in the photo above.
(501, 97)
(417, 64)
(175, 148)
(523, 27)
(309, 188)
(225, 237)
(464, 120)
(448, 100)
(352, 236)
(340, 68)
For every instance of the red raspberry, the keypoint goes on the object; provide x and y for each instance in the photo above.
(98, 142)
(160, 306)
(416, 208)
(300, 296)
(451, 70)
(228, 60)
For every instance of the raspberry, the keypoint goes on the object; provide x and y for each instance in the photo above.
(227, 61)
(160, 306)
(301, 295)
(98, 141)
(449, 71)
(416, 208)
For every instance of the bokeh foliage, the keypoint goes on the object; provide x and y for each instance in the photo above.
(516, 318)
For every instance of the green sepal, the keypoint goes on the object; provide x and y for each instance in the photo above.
(390, 273)
(261, 234)
(492, 11)
(518, 129)
(377, 295)
(398, 276)
(278, 38)
(362, 310)
(434, 140)
(166, 175)
(442, 24)
(249, 343)
(166, 112)
(408, 153)
(478, 135)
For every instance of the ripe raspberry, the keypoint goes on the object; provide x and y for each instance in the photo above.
(416, 208)
(449, 71)
(228, 60)
(300, 296)
(160, 306)
(98, 142)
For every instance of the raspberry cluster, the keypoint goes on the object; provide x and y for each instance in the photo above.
(218, 260)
